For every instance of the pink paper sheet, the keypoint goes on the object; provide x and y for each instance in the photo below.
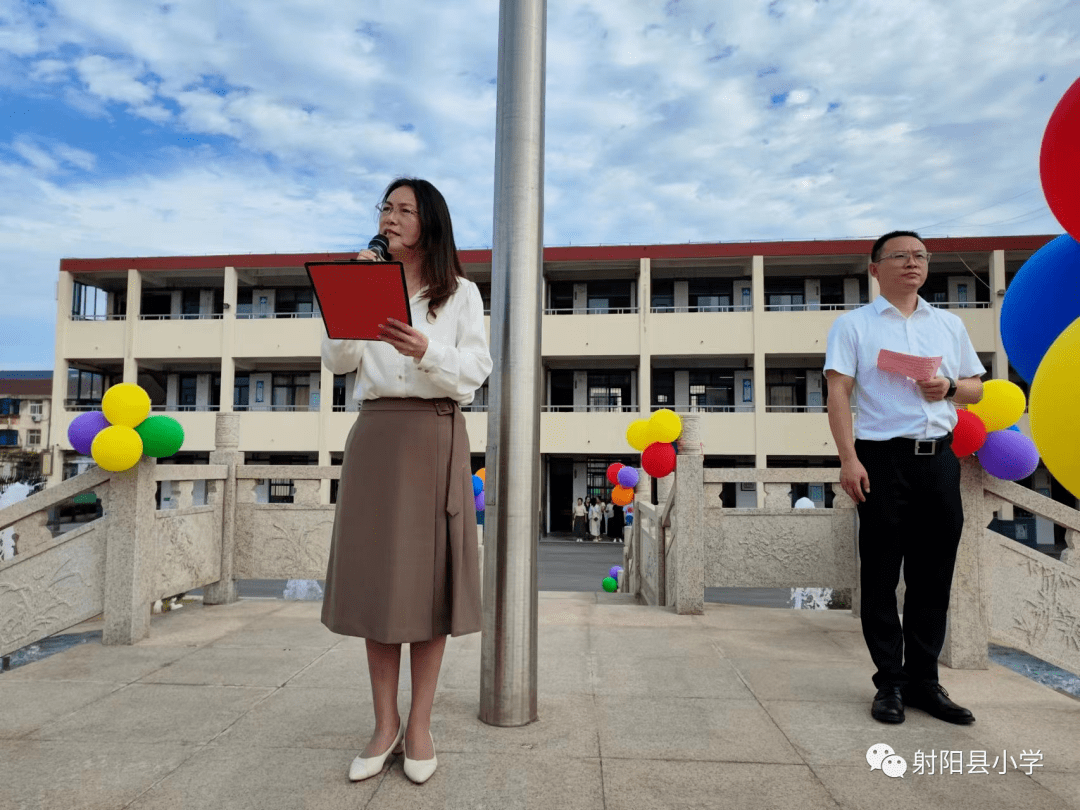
(910, 365)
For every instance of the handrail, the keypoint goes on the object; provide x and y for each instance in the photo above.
(1033, 502)
(53, 495)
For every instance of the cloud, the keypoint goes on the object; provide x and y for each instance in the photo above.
(200, 127)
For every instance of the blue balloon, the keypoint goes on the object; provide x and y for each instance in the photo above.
(1013, 427)
(1042, 300)
(477, 485)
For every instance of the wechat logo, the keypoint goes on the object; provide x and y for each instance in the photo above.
(882, 758)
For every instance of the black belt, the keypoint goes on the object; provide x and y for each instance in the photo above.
(915, 447)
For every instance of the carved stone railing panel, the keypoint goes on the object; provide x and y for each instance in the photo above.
(306, 492)
(52, 591)
(186, 550)
(283, 541)
(1035, 602)
(648, 545)
(32, 534)
(779, 548)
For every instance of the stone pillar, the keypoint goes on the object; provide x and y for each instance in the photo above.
(128, 554)
(757, 280)
(690, 508)
(968, 634)
(227, 443)
(131, 326)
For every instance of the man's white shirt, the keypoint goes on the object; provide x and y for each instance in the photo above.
(890, 405)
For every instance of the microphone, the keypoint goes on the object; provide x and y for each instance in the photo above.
(380, 245)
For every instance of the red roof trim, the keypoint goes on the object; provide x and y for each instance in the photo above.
(837, 247)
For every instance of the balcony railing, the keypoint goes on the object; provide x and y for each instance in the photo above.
(729, 308)
(251, 316)
(83, 317)
(587, 408)
(174, 408)
(811, 307)
(593, 311)
(797, 409)
(200, 316)
(960, 304)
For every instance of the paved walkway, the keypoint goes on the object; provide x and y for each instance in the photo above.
(256, 705)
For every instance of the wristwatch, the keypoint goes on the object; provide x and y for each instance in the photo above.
(952, 388)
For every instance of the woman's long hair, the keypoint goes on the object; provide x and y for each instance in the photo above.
(440, 267)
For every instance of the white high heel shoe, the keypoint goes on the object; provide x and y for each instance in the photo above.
(420, 770)
(365, 768)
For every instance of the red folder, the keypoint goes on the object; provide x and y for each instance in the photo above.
(355, 297)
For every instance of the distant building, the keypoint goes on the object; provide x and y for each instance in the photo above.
(25, 420)
(735, 332)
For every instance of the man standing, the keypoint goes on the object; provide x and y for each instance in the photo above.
(901, 472)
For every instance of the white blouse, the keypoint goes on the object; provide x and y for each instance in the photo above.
(456, 363)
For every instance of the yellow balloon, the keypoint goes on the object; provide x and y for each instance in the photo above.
(1055, 408)
(637, 435)
(117, 448)
(1001, 406)
(125, 404)
(664, 426)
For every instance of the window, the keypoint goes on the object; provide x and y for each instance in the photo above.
(243, 302)
(485, 296)
(605, 296)
(157, 304)
(9, 407)
(215, 392)
(712, 390)
(9, 438)
(663, 294)
(710, 294)
(187, 395)
(189, 303)
(85, 389)
(609, 391)
(88, 303)
(296, 301)
(339, 392)
(663, 388)
(35, 409)
(33, 438)
(241, 387)
(785, 389)
(561, 295)
(785, 294)
(480, 400)
(561, 395)
(291, 392)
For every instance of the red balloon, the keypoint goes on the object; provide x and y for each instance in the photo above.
(1059, 161)
(969, 433)
(613, 473)
(658, 459)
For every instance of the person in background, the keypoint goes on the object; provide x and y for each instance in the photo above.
(899, 468)
(404, 562)
(595, 514)
(580, 519)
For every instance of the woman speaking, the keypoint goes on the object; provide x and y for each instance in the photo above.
(404, 565)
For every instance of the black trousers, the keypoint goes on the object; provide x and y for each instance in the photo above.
(912, 514)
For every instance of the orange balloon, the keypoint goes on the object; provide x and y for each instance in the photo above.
(481, 473)
(622, 496)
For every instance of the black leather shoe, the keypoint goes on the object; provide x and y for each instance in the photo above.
(934, 700)
(888, 706)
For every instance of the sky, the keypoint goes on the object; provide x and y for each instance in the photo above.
(138, 128)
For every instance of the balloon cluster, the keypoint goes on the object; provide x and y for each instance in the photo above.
(610, 583)
(989, 429)
(120, 433)
(478, 480)
(624, 479)
(653, 437)
(1040, 316)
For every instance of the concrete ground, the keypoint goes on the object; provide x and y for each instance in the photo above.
(257, 705)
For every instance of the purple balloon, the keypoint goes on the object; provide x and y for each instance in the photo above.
(84, 428)
(614, 571)
(1009, 455)
(479, 502)
(628, 477)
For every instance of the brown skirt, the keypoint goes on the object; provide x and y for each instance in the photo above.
(404, 564)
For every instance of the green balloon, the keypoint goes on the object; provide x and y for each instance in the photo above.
(611, 584)
(161, 435)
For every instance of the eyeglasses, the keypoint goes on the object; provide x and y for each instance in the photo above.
(921, 256)
(386, 209)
